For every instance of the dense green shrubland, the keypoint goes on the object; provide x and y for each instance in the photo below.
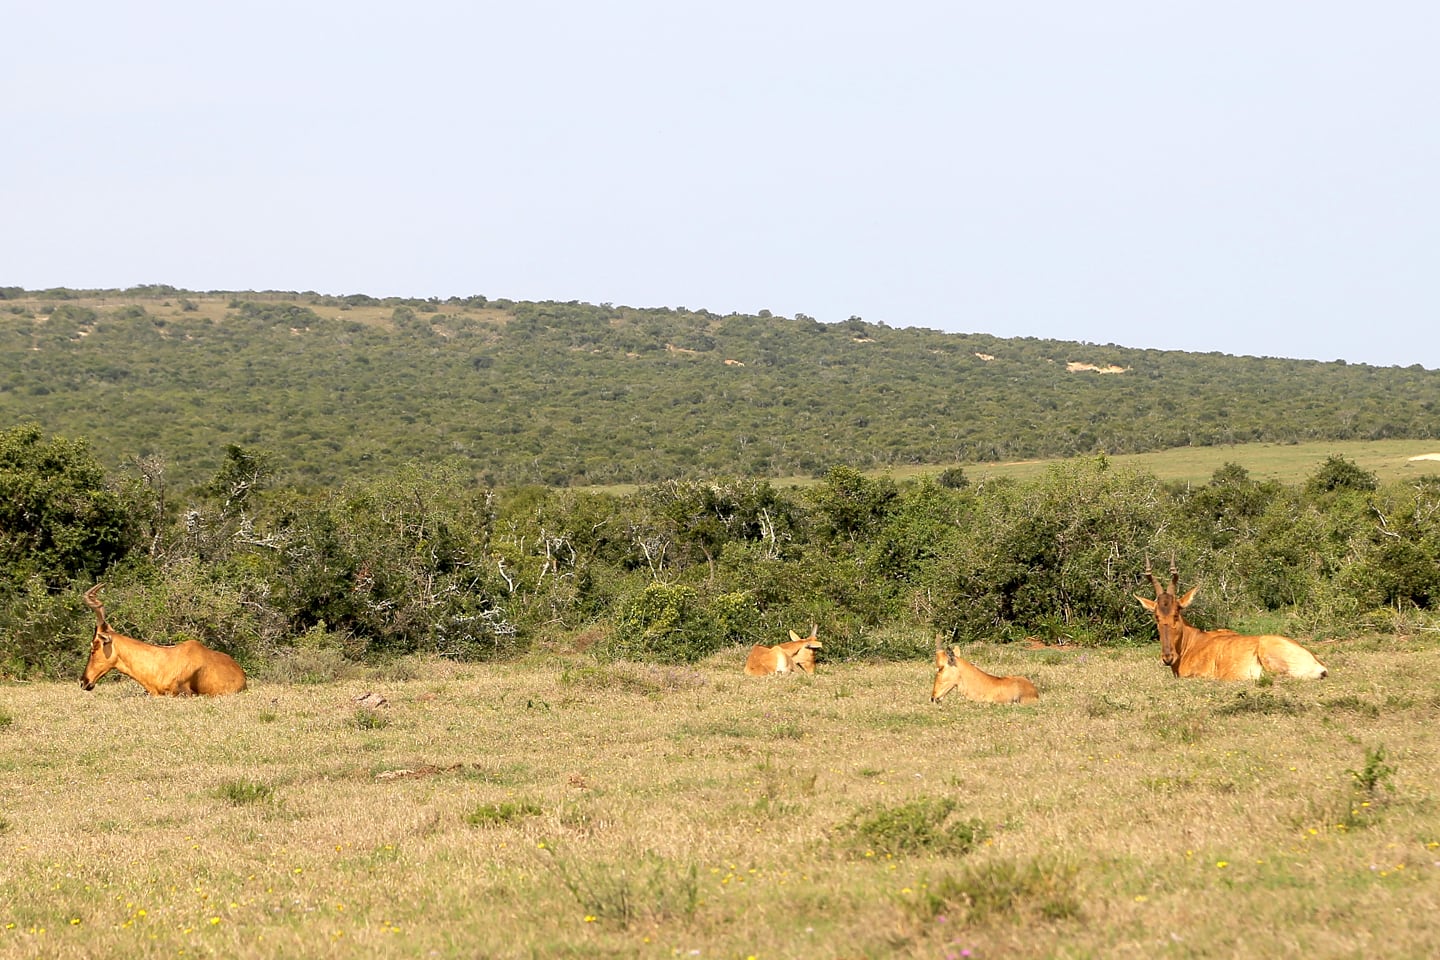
(581, 394)
(423, 561)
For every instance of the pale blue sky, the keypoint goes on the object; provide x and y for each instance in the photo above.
(1243, 177)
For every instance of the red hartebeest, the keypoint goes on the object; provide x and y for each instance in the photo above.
(798, 653)
(1220, 654)
(953, 671)
(186, 668)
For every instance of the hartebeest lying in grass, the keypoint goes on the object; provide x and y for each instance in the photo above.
(1220, 654)
(186, 668)
(952, 670)
(797, 653)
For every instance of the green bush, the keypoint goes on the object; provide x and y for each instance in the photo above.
(925, 825)
(58, 518)
(670, 623)
(43, 633)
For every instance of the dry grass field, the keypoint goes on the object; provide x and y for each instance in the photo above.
(1286, 462)
(554, 809)
(1389, 460)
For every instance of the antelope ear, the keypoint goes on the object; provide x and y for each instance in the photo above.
(795, 637)
(1147, 604)
(107, 646)
(1185, 600)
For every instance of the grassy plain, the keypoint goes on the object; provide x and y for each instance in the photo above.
(1286, 462)
(570, 809)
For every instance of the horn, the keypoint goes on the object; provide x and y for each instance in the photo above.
(92, 600)
(1174, 575)
(1154, 581)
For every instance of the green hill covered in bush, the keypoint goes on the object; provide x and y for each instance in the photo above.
(578, 394)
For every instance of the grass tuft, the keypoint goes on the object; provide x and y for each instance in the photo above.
(1003, 889)
(500, 814)
(242, 792)
(366, 718)
(1359, 806)
(1263, 702)
(608, 676)
(1354, 704)
(1375, 774)
(652, 889)
(921, 826)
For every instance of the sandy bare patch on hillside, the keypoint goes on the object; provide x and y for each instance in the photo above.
(985, 356)
(1076, 367)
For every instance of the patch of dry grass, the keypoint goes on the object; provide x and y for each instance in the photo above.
(540, 810)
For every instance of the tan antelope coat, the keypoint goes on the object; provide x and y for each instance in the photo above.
(953, 670)
(1221, 654)
(798, 653)
(186, 668)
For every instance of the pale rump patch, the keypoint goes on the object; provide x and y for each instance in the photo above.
(798, 653)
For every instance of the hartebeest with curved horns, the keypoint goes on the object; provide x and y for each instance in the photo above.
(1220, 654)
(952, 670)
(797, 653)
(186, 668)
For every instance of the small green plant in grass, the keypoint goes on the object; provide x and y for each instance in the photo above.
(1354, 704)
(499, 814)
(1375, 774)
(367, 718)
(241, 792)
(1003, 889)
(1104, 706)
(653, 889)
(1186, 729)
(4, 825)
(5, 718)
(1357, 807)
(1263, 702)
(924, 825)
(606, 676)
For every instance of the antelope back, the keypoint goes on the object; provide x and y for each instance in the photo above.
(764, 661)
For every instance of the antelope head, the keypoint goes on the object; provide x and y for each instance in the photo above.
(102, 648)
(1167, 607)
(947, 673)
